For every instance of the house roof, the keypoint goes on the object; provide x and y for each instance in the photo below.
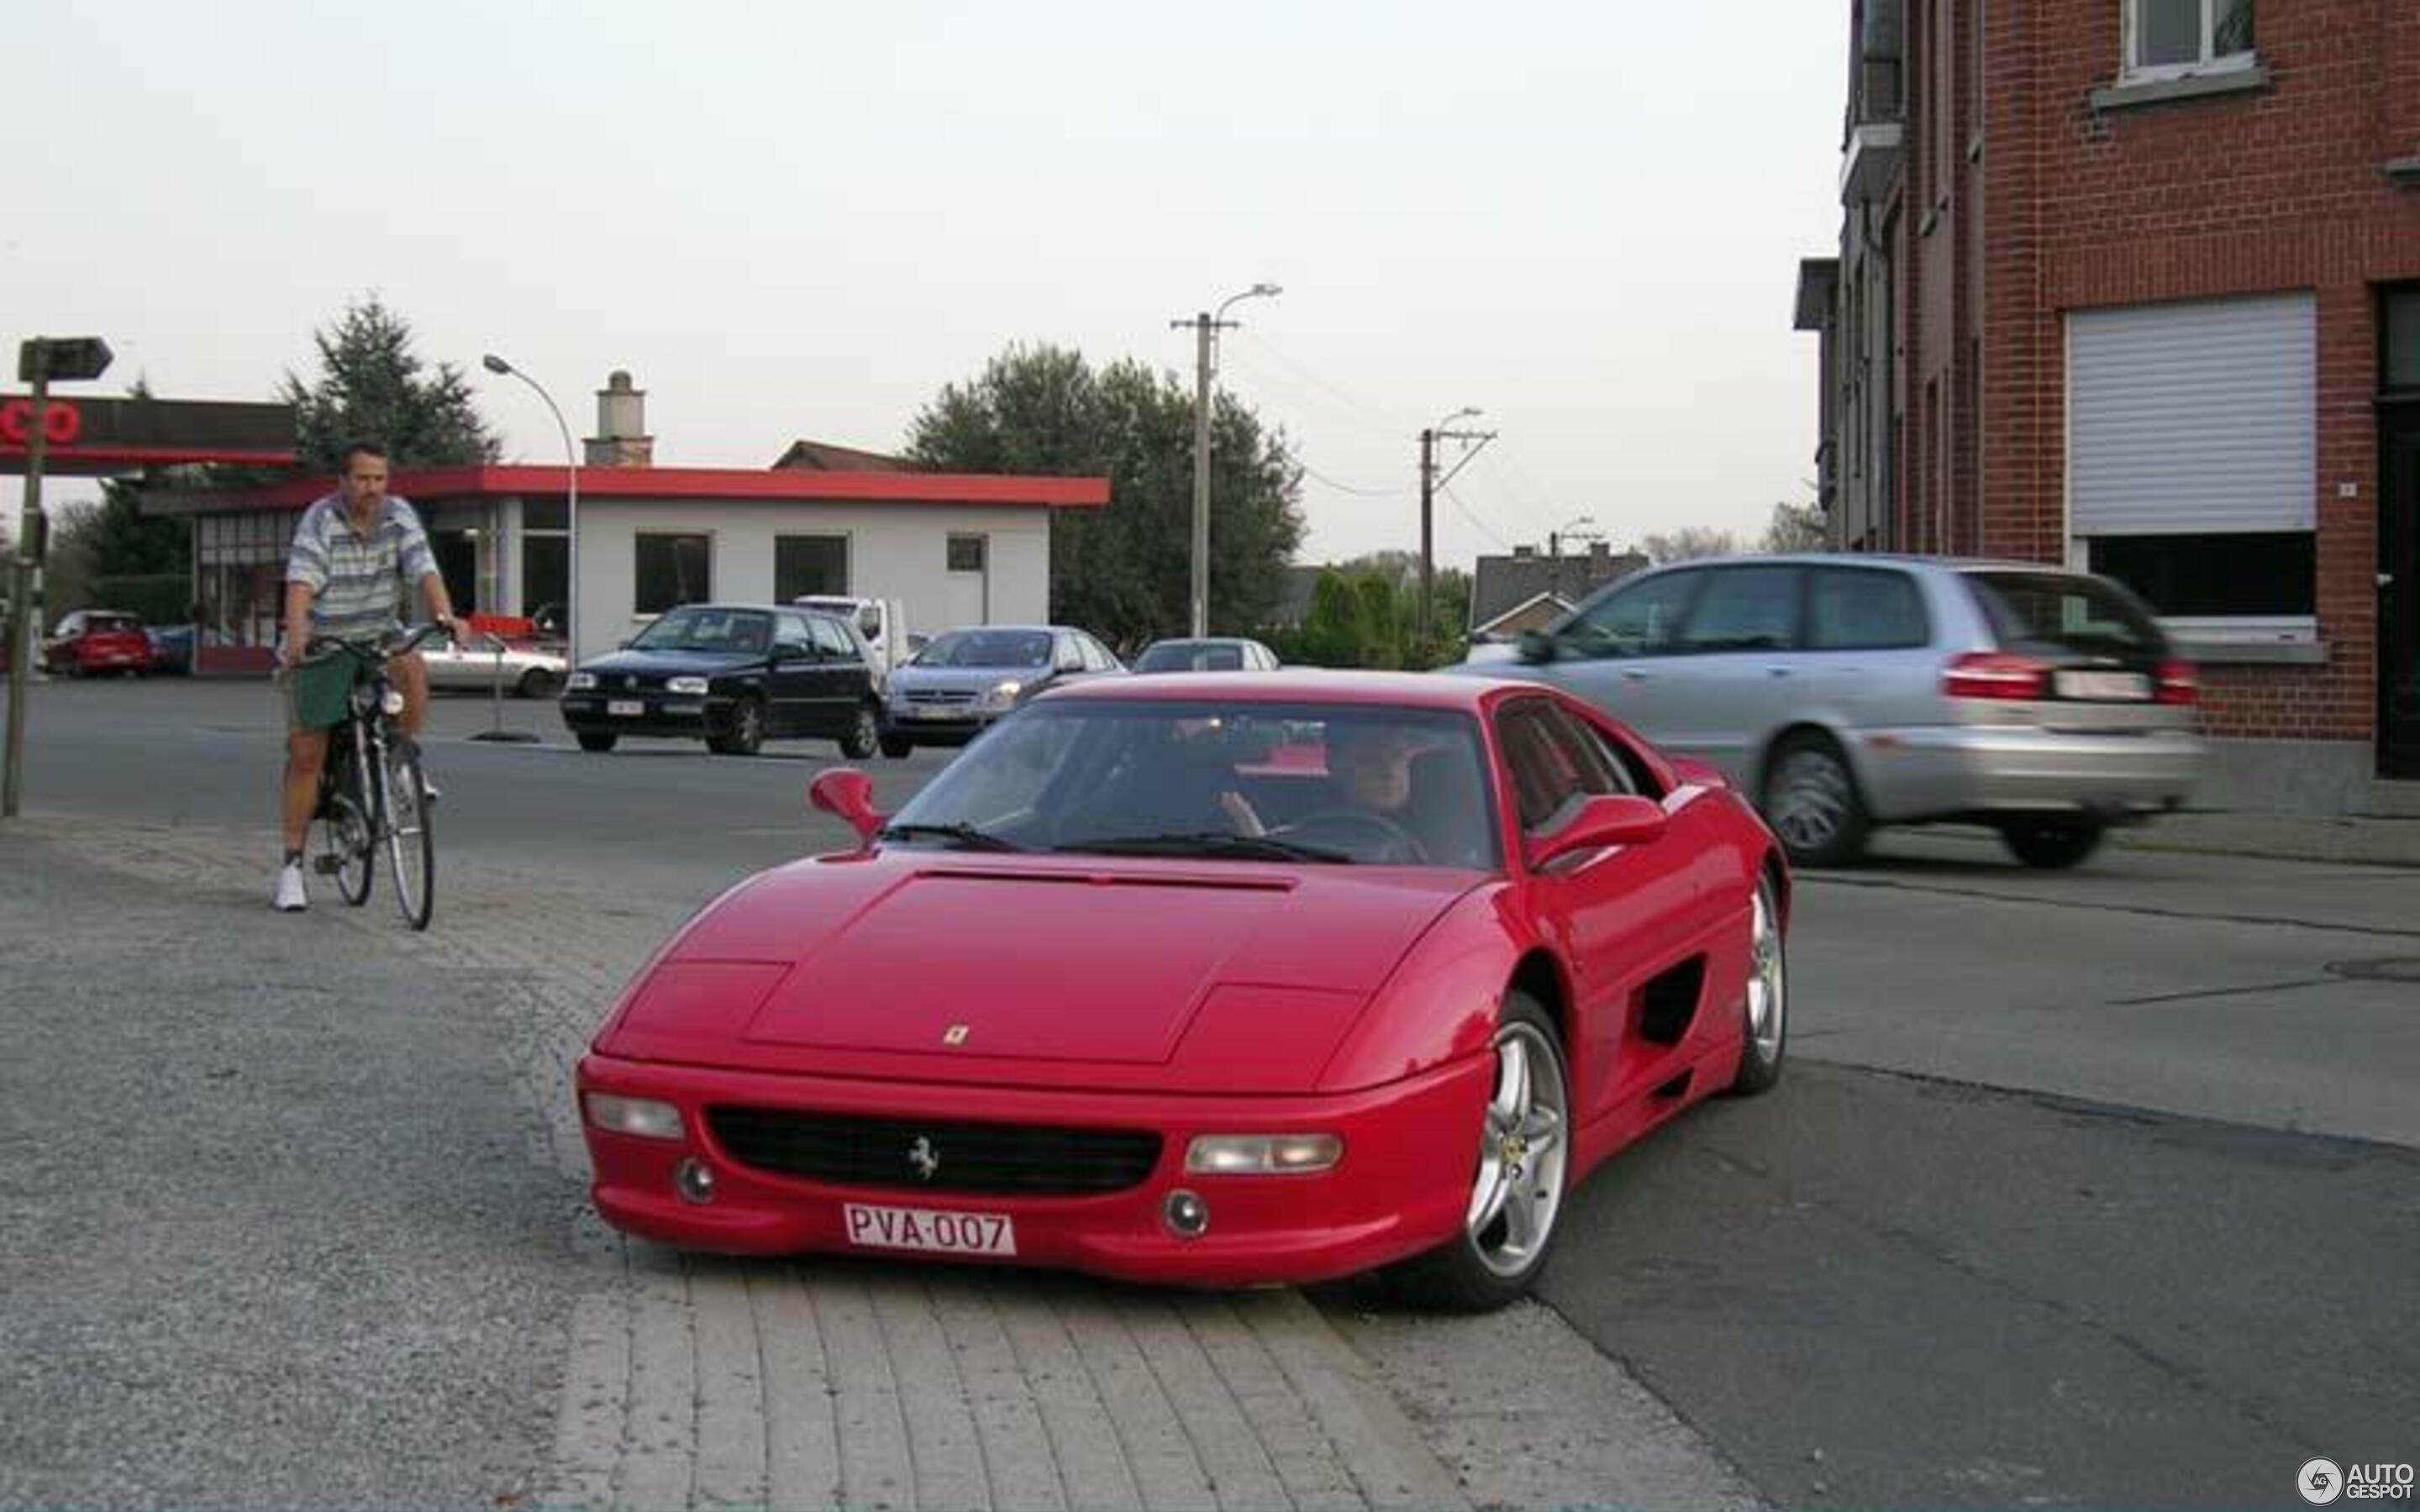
(823, 457)
(1506, 583)
(1562, 605)
(671, 485)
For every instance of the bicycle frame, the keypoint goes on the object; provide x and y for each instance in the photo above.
(367, 756)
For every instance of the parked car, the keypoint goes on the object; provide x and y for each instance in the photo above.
(92, 642)
(1848, 692)
(488, 662)
(172, 649)
(1485, 938)
(734, 675)
(967, 678)
(882, 622)
(1211, 654)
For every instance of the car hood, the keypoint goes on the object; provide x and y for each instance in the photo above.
(673, 663)
(1037, 971)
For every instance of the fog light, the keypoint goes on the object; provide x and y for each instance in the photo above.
(1262, 1154)
(1185, 1214)
(695, 1180)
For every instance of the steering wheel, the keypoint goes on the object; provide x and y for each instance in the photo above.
(1358, 831)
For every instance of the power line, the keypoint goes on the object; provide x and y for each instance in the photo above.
(1456, 499)
(1365, 415)
(1311, 471)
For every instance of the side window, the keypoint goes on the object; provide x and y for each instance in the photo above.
(790, 632)
(1600, 770)
(1068, 657)
(1864, 609)
(1640, 620)
(831, 641)
(1546, 778)
(1746, 609)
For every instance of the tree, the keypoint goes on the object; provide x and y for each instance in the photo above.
(373, 387)
(1689, 542)
(1331, 632)
(1126, 571)
(1794, 528)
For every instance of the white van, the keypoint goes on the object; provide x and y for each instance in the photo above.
(883, 622)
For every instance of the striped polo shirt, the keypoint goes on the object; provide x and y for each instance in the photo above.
(358, 579)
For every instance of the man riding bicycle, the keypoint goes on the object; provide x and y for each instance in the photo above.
(356, 553)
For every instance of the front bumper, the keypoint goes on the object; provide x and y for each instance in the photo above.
(1949, 770)
(658, 714)
(1400, 1189)
(943, 725)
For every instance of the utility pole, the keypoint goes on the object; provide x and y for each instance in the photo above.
(1430, 483)
(39, 360)
(1205, 327)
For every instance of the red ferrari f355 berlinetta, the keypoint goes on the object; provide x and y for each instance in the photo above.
(1214, 979)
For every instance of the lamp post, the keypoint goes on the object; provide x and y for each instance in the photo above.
(1555, 539)
(496, 364)
(39, 361)
(1204, 327)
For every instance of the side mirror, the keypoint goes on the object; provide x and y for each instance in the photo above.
(847, 793)
(1607, 819)
(1536, 647)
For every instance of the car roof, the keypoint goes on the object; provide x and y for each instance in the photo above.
(1204, 640)
(1304, 684)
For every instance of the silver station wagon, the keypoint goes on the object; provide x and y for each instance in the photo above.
(1845, 692)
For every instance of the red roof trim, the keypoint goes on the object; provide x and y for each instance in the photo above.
(431, 483)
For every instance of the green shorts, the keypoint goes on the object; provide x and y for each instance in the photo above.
(317, 695)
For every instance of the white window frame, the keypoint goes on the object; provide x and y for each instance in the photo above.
(2134, 73)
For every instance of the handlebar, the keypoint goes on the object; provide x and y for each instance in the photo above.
(391, 643)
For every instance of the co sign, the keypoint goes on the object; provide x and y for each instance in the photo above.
(61, 422)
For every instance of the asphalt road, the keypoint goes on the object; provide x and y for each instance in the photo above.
(2090, 1188)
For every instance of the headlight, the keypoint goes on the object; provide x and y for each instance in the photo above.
(1262, 1154)
(391, 700)
(642, 1115)
(685, 685)
(579, 682)
(1003, 695)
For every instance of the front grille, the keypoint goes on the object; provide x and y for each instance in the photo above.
(1004, 1159)
(923, 695)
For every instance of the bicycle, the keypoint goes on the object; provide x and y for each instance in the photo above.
(371, 793)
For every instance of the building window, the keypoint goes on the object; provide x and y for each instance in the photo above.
(804, 565)
(2400, 340)
(2245, 574)
(966, 553)
(2166, 39)
(672, 570)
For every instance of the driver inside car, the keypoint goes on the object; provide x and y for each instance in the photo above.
(1369, 769)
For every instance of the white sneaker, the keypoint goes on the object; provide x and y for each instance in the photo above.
(291, 898)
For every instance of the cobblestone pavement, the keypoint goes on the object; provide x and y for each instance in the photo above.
(673, 1381)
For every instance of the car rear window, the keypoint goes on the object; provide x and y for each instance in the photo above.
(2064, 611)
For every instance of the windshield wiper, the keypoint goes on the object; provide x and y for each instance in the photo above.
(1206, 842)
(970, 837)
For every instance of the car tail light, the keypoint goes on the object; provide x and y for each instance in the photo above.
(2178, 683)
(1995, 674)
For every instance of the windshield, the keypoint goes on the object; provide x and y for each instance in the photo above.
(722, 630)
(1192, 656)
(2055, 612)
(1218, 780)
(987, 648)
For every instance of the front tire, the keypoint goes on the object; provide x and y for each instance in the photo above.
(1519, 1180)
(2052, 845)
(410, 847)
(537, 682)
(898, 746)
(1764, 1008)
(598, 740)
(746, 737)
(865, 735)
(1811, 803)
(346, 838)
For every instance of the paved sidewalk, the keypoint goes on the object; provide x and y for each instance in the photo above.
(692, 1381)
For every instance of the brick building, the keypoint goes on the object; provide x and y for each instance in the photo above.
(2134, 285)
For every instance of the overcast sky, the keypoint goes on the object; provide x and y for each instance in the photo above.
(801, 220)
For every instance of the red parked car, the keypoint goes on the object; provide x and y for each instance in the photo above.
(1119, 991)
(90, 641)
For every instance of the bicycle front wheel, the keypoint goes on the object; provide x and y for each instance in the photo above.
(409, 847)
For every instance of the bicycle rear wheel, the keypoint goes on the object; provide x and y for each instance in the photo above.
(409, 847)
(346, 840)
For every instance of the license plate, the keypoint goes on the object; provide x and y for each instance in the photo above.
(628, 708)
(922, 1228)
(2129, 686)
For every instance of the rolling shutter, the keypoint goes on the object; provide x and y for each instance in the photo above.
(2192, 419)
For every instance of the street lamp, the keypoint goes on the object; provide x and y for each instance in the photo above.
(1204, 326)
(1555, 539)
(496, 364)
